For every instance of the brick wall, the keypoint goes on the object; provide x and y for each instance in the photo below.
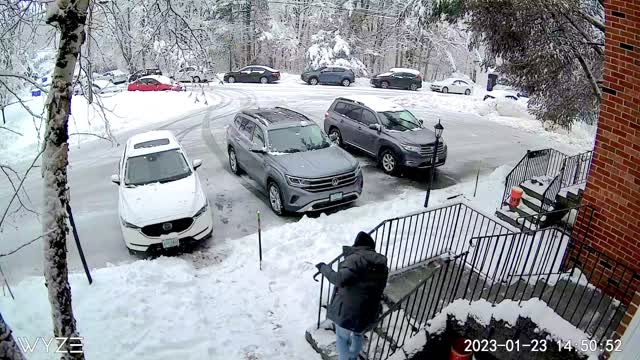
(613, 186)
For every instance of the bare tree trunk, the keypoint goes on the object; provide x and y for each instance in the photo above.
(9, 349)
(70, 19)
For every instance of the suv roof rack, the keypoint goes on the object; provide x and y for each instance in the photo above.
(350, 100)
(293, 111)
(253, 115)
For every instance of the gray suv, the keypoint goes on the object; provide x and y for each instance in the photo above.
(293, 159)
(383, 130)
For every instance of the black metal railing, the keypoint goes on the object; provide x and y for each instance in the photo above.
(415, 239)
(534, 163)
(576, 169)
(406, 317)
(550, 265)
(575, 220)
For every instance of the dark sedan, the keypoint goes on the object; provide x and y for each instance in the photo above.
(253, 74)
(398, 78)
(331, 75)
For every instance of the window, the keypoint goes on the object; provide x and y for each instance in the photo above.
(248, 68)
(368, 118)
(151, 143)
(160, 167)
(247, 129)
(342, 108)
(297, 139)
(354, 113)
(463, 82)
(258, 137)
(238, 121)
(400, 120)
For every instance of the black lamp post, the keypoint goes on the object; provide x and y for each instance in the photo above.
(438, 128)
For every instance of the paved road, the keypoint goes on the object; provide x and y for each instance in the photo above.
(474, 143)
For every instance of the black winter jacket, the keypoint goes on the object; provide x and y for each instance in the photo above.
(360, 282)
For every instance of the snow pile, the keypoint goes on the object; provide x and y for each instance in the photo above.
(509, 112)
(167, 309)
(329, 48)
(109, 113)
(509, 311)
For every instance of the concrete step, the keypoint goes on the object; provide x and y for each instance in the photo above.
(402, 283)
(505, 214)
(536, 186)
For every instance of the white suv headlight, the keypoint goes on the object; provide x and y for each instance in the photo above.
(414, 148)
(128, 224)
(202, 210)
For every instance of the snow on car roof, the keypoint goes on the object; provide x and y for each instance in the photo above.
(375, 103)
(161, 78)
(264, 67)
(407, 70)
(151, 136)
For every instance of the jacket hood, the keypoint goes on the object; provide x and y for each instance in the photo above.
(317, 163)
(418, 137)
(367, 252)
(152, 203)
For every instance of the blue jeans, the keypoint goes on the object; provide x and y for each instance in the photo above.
(348, 343)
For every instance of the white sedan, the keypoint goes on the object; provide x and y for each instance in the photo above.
(452, 85)
(161, 202)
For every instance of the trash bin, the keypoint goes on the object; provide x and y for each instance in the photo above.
(492, 79)
(458, 350)
(516, 196)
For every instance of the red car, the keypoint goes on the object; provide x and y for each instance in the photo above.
(154, 83)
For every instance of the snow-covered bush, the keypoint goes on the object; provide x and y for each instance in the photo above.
(329, 48)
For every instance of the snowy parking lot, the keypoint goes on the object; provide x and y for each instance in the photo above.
(479, 138)
(223, 295)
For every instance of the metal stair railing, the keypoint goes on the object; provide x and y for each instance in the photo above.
(534, 163)
(409, 314)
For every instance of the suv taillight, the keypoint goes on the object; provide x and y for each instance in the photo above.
(419, 77)
(276, 74)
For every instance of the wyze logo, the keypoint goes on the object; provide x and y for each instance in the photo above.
(50, 345)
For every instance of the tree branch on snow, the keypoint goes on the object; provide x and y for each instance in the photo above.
(24, 78)
(10, 130)
(17, 190)
(91, 134)
(21, 247)
(4, 169)
(24, 106)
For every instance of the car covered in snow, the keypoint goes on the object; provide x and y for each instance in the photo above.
(142, 73)
(502, 94)
(115, 76)
(329, 75)
(253, 74)
(194, 74)
(398, 78)
(161, 202)
(453, 86)
(385, 131)
(290, 157)
(154, 83)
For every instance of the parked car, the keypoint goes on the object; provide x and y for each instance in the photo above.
(194, 74)
(142, 73)
(398, 78)
(106, 87)
(384, 131)
(253, 74)
(502, 94)
(154, 83)
(330, 75)
(293, 159)
(116, 76)
(452, 85)
(161, 202)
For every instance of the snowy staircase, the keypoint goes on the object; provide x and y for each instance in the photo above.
(531, 204)
(400, 284)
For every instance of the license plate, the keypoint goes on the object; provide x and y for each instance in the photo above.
(335, 197)
(169, 243)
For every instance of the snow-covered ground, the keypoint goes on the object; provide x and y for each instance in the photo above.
(166, 308)
(215, 303)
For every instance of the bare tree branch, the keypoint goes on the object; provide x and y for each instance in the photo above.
(13, 131)
(15, 193)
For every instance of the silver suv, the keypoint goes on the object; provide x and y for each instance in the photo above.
(383, 130)
(293, 159)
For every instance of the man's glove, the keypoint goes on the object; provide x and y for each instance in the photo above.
(320, 265)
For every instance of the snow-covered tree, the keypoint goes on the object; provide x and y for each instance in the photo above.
(329, 48)
(69, 19)
(9, 349)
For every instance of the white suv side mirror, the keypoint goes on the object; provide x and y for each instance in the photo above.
(196, 164)
(115, 179)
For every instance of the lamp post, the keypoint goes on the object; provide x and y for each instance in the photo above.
(438, 129)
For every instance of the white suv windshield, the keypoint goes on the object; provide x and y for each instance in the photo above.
(161, 167)
(399, 120)
(297, 139)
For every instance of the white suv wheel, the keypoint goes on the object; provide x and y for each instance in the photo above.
(275, 198)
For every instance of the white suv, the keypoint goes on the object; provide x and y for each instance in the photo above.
(161, 202)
